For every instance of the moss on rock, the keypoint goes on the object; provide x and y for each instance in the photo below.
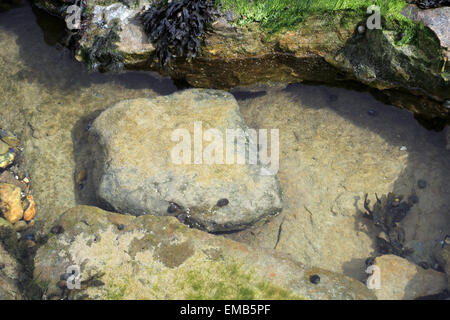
(159, 258)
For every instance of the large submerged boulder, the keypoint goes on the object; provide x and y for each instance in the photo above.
(124, 257)
(152, 156)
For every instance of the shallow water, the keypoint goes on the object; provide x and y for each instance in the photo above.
(332, 150)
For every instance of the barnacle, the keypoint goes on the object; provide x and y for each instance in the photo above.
(176, 27)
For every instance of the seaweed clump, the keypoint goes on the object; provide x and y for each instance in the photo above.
(176, 27)
(103, 55)
(386, 214)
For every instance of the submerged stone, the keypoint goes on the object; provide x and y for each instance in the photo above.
(10, 202)
(159, 258)
(401, 279)
(154, 157)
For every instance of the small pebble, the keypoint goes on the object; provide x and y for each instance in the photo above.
(315, 279)
(172, 208)
(422, 184)
(222, 202)
(30, 243)
(372, 112)
(20, 226)
(29, 236)
(57, 230)
(361, 29)
(403, 148)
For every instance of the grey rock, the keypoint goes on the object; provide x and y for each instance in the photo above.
(105, 15)
(436, 19)
(135, 172)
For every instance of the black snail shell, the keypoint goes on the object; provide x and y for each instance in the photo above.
(314, 279)
(222, 202)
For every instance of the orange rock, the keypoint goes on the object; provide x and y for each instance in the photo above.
(10, 202)
(30, 212)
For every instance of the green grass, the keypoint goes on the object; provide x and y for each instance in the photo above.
(276, 15)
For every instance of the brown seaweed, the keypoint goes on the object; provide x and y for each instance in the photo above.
(176, 27)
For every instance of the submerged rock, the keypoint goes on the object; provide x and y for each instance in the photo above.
(10, 269)
(401, 279)
(136, 145)
(10, 202)
(9, 276)
(443, 257)
(158, 258)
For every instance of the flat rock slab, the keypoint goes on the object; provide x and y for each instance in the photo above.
(137, 171)
(153, 257)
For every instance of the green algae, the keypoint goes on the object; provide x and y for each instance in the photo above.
(278, 15)
(230, 280)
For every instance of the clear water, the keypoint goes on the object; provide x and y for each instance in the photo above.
(333, 149)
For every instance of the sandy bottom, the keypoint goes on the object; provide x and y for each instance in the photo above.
(332, 151)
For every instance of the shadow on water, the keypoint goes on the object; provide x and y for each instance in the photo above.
(53, 65)
(427, 159)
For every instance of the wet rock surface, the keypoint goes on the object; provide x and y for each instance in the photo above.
(9, 276)
(436, 19)
(324, 143)
(137, 171)
(401, 279)
(320, 49)
(333, 150)
(159, 258)
(443, 258)
(8, 148)
(10, 202)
